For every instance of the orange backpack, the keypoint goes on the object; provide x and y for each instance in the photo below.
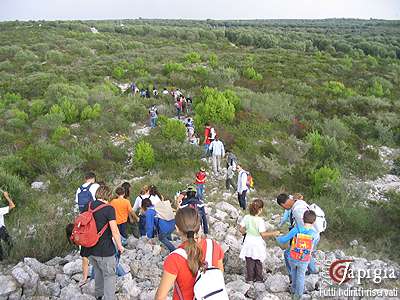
(85, 231)
(301, 247)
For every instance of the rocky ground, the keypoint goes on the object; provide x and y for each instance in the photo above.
(59, 277)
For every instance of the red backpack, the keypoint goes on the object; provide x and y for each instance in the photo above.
(85, 231)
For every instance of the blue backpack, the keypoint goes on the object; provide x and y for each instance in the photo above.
(84, 197)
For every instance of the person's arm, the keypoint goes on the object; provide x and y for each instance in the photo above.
(116, 235)
(283, 239)
(223, 149)
(285, 217)
(267, 234)
(11, 204)
(166, 283)
(242, 229)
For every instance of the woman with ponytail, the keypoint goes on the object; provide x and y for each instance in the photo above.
(179, 272)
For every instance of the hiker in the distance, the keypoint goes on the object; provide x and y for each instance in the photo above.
(207, 141)
(180, 272)
(218, 152)
(242, 187)
(101, 255)
(4, 236)
(87, 191)
(153, 115)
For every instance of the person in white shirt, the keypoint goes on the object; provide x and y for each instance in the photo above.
(3, 231)
(242, 187)
(218, 152)
(90, 182)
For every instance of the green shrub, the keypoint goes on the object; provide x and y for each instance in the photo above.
(193, 57)
(144, 155)
(55, 57)
(91, 113)
(60, 134)
(70, 111)
(118, 73)
(324, 179)
(173, 67)
(173, 129)
(338, 89)
(215, 107)
(14, 185)
(251, 73)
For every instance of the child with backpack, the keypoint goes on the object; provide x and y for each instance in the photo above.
(200, 182)
(254, 248)
(184, 268)
(140, 218)
(87, 191)
(156, 226)
(153, 114)
(303, 239)
(242, 186)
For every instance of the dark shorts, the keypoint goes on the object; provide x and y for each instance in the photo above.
(84, 252)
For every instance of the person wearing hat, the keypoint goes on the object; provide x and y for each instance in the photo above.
(192, 201)
(200, 182)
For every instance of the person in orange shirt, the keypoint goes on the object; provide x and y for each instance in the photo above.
(123, 210)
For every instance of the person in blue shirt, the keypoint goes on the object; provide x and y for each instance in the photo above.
(193, 201)
(156, 226)
(304, 240)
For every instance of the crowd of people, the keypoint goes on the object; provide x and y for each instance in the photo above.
(106, 218)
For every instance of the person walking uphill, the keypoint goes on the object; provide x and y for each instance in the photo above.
(101, 255)
(3, 231)
(180, 269)
(218, 152)
(242, 187)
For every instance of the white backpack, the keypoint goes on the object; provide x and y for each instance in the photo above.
(320, 222)
(210, 283)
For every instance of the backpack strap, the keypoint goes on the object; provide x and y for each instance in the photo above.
(85, 187)
(209, 252)
(98, 207)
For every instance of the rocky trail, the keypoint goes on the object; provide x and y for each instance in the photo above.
(59, 277)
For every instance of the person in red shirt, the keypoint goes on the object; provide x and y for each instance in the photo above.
(207, 140)
(179, 272)
(200, 183)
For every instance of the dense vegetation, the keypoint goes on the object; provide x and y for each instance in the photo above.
(297, 101)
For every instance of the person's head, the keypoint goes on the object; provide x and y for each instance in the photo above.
(90, 177)
(145, 189)
(216, 137)
(256, 207)
(120, 191)
(239, 167)
(146, 203)
(103, 193)
(127, 188)
(285, 201)
(309, 217)
(207, 124)
(68, 231)
(154, 191)
(202, 169)
(298, 196)
(190, 192)
(188, 224)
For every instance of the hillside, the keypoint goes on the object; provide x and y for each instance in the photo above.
(307, 106)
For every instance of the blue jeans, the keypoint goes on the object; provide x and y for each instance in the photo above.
(122, 230)
(165, 238)
(206, 151)
(200, 191)
(242, 199)
(153, 122)
(298, 273)
(142, 225)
